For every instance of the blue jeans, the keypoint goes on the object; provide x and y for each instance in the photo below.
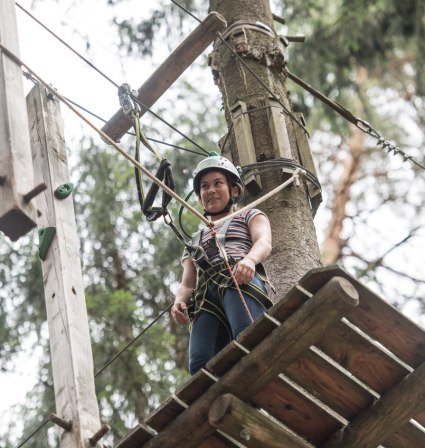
(209, 334)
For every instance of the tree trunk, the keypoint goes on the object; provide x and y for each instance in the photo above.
(295, 247)
(334, 243)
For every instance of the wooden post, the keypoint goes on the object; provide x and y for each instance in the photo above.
(249, 426)
(17, 215)
(165, 75)
(70, 346)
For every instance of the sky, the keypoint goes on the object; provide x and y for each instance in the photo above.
(76, 22)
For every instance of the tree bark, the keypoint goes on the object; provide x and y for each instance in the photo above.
(295, 247)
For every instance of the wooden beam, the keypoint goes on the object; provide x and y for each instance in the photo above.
(391, 411)
(376, 317)
(70, 346)
(328, 382)
(17, 216)
(249, 426)
(300, 411)
(165, 75)
(136, 437)
(363, 357)
(409, 434)
(257, 368)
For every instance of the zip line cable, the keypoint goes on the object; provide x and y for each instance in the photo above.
(114, 358)
(89, 112)
(345, 113)
(126, 347)
(30, 436)
(146, 108)
(363, 125)
(186, 11)
(132, 133)
(101, 73)
(106, 138)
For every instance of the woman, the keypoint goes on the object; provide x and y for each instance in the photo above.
(217, 313)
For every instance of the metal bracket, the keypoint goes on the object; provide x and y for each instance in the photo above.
(125, 95)
(98, 435)
(66, 425)
(240, 41)
(34, 192)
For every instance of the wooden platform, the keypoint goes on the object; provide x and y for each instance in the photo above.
(331, 365)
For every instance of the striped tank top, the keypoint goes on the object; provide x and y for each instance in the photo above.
(238, 240)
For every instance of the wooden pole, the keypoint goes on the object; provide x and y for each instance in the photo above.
(70, 346)
(165, 75)
(264, 363)
(249, 426)
(17, 215)
(376, 424)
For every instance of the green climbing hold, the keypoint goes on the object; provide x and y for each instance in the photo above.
(64, 190)
(213, 153)
(45, 239)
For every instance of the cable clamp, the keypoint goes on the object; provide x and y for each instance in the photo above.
(125, 95)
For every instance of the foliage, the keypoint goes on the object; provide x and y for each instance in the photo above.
(131, 267)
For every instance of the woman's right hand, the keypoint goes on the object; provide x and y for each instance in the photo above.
(178, 313)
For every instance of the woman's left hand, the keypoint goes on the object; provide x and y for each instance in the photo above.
(244, 270)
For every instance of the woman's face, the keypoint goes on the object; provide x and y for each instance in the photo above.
(215, 191)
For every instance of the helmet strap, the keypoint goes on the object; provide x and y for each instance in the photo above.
(225, 209)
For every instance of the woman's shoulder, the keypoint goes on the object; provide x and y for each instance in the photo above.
(248, 215)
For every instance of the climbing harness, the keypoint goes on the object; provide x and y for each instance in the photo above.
(215, 270)
(164, 172)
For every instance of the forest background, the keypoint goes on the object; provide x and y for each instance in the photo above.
(368, 56)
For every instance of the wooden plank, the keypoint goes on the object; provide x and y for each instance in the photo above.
(293, 300)
(218, 441)
(245, 144)
(165, 75)
(306, 159)
(250, 427)
(257, 368)
(409, 435)
(136, 437)
(389, 413)
(327, 381)
(278, 130)
(195, 386)
(257, 331)
(362, 356)
(226, 358)
(420, 417)
(70, 346)
(376, 317)
(302, 413)
(164, 414)
(17, 216)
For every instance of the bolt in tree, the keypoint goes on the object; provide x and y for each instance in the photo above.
(295, 247)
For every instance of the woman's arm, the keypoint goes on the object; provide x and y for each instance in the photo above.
(184, 292)
(261, 235)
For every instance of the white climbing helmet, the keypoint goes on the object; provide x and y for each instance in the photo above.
(218, 163)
